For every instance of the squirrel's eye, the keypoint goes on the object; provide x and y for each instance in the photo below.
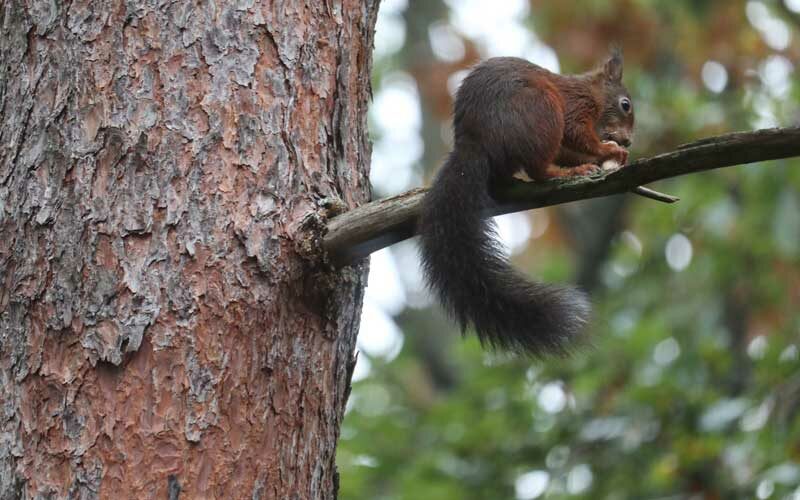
(625, 104)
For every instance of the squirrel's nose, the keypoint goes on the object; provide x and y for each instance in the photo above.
(625, 142)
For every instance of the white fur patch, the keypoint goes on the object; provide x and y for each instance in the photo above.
(610, 164)
(523, 176)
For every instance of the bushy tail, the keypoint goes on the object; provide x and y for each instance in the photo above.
(475, 283)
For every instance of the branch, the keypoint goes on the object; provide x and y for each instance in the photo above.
(655, 195)
(361, 231)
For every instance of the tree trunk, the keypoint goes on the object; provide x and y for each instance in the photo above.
(166, 327)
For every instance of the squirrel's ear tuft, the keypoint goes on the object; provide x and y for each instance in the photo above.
(613, 67)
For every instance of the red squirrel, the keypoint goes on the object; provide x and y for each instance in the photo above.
(513, 116)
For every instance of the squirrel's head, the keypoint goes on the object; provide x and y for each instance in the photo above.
(616, 118)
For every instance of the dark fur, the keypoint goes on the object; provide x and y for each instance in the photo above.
(510, 116)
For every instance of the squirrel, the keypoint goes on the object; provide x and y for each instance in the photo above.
(512, 116)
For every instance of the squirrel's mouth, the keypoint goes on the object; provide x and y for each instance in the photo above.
(625, 142)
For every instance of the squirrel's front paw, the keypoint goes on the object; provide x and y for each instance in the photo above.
(613, 151)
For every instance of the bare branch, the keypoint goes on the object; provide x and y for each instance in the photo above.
(655, 195)
(359, 232)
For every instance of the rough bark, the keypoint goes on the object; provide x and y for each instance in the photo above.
(161, 333)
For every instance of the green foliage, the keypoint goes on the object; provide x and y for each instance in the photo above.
(692, 386)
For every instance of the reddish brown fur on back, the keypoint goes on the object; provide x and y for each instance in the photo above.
(526, 118)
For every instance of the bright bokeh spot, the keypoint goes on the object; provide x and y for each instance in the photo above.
(513, 231)
(715, 76)
(678, 252)
(552, 397)
(532, 484)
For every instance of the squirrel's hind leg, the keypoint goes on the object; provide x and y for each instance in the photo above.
(555, 171)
